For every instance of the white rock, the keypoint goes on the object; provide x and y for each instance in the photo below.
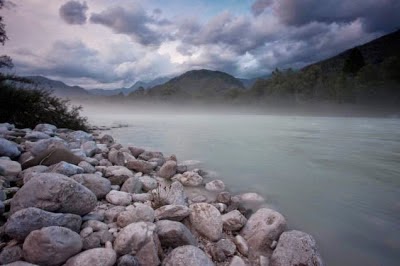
(119, 198)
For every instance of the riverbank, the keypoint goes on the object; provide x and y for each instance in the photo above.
(96, 199)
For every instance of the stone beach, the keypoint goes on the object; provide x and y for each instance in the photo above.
(78, 198)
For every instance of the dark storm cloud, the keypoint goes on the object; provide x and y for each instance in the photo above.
(376, 15)
(74, 12)
(260, 5)
(135, 22)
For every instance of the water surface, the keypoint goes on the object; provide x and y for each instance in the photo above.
(335, 178)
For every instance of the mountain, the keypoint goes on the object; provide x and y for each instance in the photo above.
(196, 84)
(57, 87)
(134, 87)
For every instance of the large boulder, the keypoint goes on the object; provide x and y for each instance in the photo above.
(174, 234)
(54, 193)
(24, 221)
(296, 248)
(172, 212)
(65, 168)
(100, 186)
(140, 166)
(206, 219)
(262, 228)
(96, 256)
(139, 239)
(9, 168)
(47, 145)
(9, 149)
(51, 245)
(117, 174)
(168, 170)
(187, 255)
(132, 185)
(10, 254)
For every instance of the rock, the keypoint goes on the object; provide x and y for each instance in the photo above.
(262, 228)
(147, 155)
(79, 136)
(10, 254)
(98, 216)
(7, 126)
(220, 207)
(233, 221)
(111, 214)
(241, 245)
(24, 221)
(224, 197)
(296, 248)
(199, 198)
(90, 148)
(237, 261)
(251, 198)
(138, 213)
(187, 255)
(172, 212)
(227, 246)
(132, 185)
(190, 165)
(139, 239)
(172, 157)
(119, 198)
(157, 161)
(217, 254)
(206, 219)
(9, 149)
(136, 151)
(128, 260)
(85, 232)
(87, 167)
(117, 174)
(51, 245)
(27, 173)
(191, 179)
(105, 162)
(20, 263)
(54, 193)
(65, 168)
(215, 186)
(36, 135)
(98, 185)
(172, 195)
(91, 242)
(96, 256)
(46, 145)
(51, 157)
(95, 225)
(140, 166)
(174, 234)
(46, 128)
(117, 157)
(107, 139)
(148, 182)
(168, 170)
(264, 261)
(180, 169)
(9, 168)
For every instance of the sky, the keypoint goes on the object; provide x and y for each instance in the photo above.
(114, 43)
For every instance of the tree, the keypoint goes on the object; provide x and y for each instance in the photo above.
(354, 62)
(5, 61)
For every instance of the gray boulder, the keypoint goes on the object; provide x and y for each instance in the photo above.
(117, 174)
(90, 148)
(174, 234)
(24, 221)
(46, 128)
(100, 186)
(119, 198)
(9, 149)
(190, 179)
(138, 212)
(140, 166)
(107, 140)
(87, 167)
(9, 168)
(262, 228)
(139, 239)
(79, 136)
(47, 144)
(51, 245)
(148, 182)
(172, 212)
(132, 185)
(96, 256)
(187, 255)
(168, 170)
(233, 221)
(136, 151)
(128, 260)
(10, 254)
(20, 263)
(206, 219)
(296, 248)
(147, 155)
(54, 193)
(36, 135)
(215, 186)
(172, 195)
(65, 168)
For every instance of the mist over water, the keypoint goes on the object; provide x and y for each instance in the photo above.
(336, 178)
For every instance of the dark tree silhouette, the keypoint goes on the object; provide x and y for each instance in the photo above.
(354, 62)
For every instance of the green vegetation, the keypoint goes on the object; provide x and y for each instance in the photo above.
(25, 106)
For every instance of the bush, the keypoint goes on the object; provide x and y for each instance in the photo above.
(27, 107)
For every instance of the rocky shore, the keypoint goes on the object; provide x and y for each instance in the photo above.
(77, 198)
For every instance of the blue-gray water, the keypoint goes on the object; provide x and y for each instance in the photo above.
(335, 178)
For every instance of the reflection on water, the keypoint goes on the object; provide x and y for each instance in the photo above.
(337, 178)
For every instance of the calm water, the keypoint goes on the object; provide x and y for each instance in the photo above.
(336, 178)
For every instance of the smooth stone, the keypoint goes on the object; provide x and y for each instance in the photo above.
(262, 228)
(241, 245)
(96, 256)
(157, 161)
(224, 197)
(143, 197)
(174, 234)
(85, 232)
(100, 186)
(54, 193)
(172, 212)
(132, 185)
(199, 198)
(65, 168)
(190, 179)
(136, 151)
(117, 157)
(10, 254)
(148, 182)
(79, 136)
(251, 198)
(51, 245)
(107, 140)
(138, 213)
(237, 261)
(24, 221)
(90, 148)
(140, 166)
(296, 248)
(168, 170)
(233, 221)
(51, 157)
(45, 128)
(9, 168)
(119, 198)
(9, 148)
(36, 135)
(206, 220)
(139, 239)
(20, 263)
(27, 173)
(147, 155)
(87, 167)
(187, 255)
(190, 165)
(128, 260)
(117, 174)
(95, 225)
(215, 186)
(227, 246)
(47, 144)
(172, 195)
(111, 214)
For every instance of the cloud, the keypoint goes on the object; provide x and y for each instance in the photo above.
(260, 5)
(74, 12)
